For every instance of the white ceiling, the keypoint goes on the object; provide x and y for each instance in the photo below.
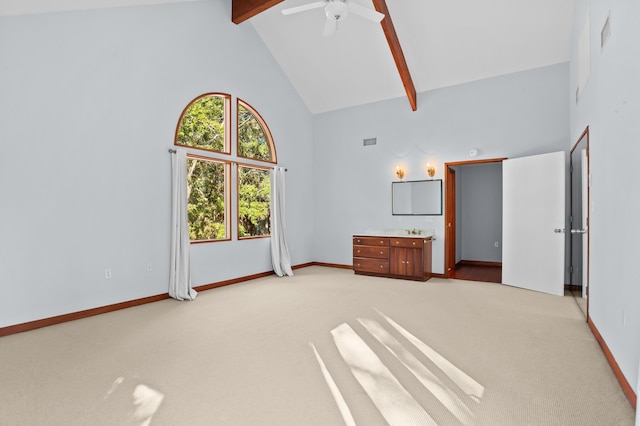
(445, 42)
(24, 7)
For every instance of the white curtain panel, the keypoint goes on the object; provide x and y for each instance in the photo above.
(279, 250)
(180, 276)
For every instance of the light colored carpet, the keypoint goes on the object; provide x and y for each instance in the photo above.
(322, 348)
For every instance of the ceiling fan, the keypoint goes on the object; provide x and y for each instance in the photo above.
(337, 10)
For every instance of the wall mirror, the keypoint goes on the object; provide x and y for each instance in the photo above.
(417, 198)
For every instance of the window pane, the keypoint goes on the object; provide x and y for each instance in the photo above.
(206, 200)
(254, 140)
(203, 124)
(254, 186)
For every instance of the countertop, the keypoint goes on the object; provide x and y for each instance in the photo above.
(397, 233)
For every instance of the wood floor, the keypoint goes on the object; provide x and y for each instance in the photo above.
(489, 274)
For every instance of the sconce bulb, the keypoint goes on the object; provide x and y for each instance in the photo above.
(399, 172)
(431, 171)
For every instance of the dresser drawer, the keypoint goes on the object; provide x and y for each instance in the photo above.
(371, 251)
(371, 241)
(379, 266)
(406, 242)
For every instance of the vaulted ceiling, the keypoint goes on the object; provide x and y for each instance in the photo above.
(443, 43)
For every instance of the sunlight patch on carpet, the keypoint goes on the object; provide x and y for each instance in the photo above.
(395, 403)
(117, 382)
(472, 388)
(131, 403)
(335, 391)
(429, 380)
(454, 393)
(147, 402)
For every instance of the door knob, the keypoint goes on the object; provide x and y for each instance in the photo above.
(578, 231)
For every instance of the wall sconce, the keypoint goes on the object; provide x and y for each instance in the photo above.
(431, 171)
(399, 172)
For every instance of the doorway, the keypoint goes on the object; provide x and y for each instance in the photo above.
(456, 266)
(579, 219)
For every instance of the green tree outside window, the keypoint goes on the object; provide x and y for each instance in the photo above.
(254, 139)
(254, 186)
(203, 124)
(206, 202)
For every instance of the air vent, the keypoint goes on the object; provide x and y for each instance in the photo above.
(369, 142)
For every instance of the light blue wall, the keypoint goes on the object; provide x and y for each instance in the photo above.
(509, 116)
(610, 106)
(89, 103)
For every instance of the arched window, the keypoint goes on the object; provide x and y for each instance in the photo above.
(205, 125)
(254, 137)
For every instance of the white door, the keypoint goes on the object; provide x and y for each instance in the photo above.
(533, 217)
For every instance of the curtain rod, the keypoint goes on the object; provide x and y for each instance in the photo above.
(173, 151)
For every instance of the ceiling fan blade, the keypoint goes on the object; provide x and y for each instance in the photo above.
(365, 12)
(304, 7)
(330, 27)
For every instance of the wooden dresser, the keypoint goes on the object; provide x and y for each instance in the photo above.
(394, 257)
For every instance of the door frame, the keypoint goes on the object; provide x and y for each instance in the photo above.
(450, 188)
(583, 135)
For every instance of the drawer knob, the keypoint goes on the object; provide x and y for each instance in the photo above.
(382, 266)
(414, 243)
(358, 251)
(381, 241)
(381, 252)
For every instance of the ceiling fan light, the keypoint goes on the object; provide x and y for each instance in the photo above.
(330, 27)
(336, 10)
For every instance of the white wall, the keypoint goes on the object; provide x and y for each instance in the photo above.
(89, 103)
(610, 106)
(510, 116)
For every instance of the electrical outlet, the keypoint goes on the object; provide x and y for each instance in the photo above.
(107, 273)
(149, 267)
(496, 244)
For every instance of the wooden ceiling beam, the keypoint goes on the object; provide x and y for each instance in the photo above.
(396, 51)
(241, 10)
